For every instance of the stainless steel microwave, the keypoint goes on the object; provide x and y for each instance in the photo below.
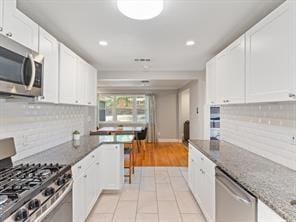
(20, 74)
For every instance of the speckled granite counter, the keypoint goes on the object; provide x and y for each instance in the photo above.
(71, 152)
(272, 183)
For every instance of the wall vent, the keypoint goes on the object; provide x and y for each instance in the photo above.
(142, 60)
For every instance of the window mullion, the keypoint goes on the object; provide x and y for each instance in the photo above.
(114, 109)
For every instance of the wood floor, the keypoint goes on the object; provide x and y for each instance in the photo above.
(162, 154)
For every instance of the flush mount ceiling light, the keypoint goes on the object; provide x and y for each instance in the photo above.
(103, 43)
(190, 43)
(140, 9)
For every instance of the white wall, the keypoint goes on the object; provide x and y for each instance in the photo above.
(166, 110)
(37, 127)
(184, 110)
(197, 101)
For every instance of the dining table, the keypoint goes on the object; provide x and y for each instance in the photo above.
(120, 130)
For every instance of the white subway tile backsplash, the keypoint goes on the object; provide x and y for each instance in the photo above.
(266, 129)
(37, 127)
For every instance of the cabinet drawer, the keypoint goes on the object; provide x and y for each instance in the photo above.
(83, 164)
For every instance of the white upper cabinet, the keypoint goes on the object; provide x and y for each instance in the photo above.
(49, 48)
(1, 16)
(211, 82)
(92, 86)
(67, 75)
(18, 26)
(81, 81)
(86, 83)
(230, 68)
(271, 56)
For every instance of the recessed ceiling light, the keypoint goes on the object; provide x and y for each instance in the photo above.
(190, 43)
(103, 43)
(140, 9)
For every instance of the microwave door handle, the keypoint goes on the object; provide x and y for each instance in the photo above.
(30, 86)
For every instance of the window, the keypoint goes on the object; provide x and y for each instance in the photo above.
(123, 108)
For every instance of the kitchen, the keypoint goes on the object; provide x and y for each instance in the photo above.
(108, 113)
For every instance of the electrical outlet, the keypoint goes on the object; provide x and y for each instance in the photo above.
(293, 140)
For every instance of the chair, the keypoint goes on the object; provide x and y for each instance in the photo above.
(128, 151)
(141, 136)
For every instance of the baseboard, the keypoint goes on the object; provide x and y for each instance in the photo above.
(168, 140)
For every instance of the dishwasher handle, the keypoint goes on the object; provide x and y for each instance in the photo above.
(233, 189)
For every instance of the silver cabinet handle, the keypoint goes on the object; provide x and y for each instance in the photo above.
(85, 176)
(79, 167)
(9, 34)
(292, 95)
(98, 163)
(93, 156)
(76, 101)
(89, 103)
(202, 158)
(192, 160)
(1, 29)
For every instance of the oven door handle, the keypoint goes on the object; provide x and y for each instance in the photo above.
(57, 202)
(30, 86)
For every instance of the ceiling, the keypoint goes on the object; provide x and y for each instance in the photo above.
(213, 24)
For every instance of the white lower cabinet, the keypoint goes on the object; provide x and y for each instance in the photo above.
(201, 179)
(101, 169)
(265, 214)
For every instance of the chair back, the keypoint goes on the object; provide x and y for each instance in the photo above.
(143, 134)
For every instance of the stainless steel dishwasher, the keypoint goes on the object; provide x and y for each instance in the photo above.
(233, 203)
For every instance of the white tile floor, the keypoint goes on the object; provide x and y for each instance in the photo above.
(157, 194)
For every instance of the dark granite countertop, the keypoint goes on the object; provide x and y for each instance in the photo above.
(272, 183)
(71, 152)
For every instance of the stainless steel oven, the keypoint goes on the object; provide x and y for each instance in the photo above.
(233, 203)
(20, 74)
(61, 210)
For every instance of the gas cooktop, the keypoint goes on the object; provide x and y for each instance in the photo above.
(26, 188)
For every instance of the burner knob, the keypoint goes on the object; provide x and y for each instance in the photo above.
(61, 181)
(21, 215)
(68, 176)
(49, 191)
(33, 204)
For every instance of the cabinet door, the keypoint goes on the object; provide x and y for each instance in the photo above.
(18, 26)
(98, 176)
(81, 82)
(48, 47)
(67, 76)
(211, 81)
(92, 90)
(192, 168)
(271, 57)
(1, 16)
(112, 166)
(230, 68)
(79, 199)
(90, 188)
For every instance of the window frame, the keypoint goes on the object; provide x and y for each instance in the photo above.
(134, 109)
